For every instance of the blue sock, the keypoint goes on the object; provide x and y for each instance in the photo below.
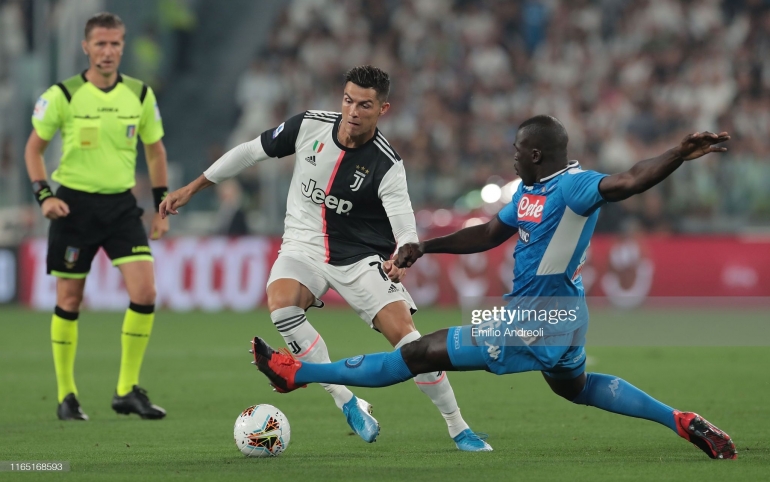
(616, 395)
(373, 370)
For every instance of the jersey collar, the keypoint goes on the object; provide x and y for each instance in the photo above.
(110, 89)
(336, 129)
(571, 165)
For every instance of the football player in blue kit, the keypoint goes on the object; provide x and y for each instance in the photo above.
(554, 212)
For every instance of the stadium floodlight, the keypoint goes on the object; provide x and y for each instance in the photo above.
(508, 190)
(491, 193)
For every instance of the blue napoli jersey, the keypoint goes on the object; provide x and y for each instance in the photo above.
(555, 218)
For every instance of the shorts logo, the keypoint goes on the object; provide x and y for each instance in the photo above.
(359, 175)
(531, 208)
(131, 131)
(392, 289)
(71, 256)
(278, 130)
(354, 362)
(523, 235)
(140, 249)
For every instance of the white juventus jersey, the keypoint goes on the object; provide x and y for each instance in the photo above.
(340, 198)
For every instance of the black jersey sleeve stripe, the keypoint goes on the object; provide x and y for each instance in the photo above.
(282, 141)
(325, 119)
(143, 94)
(384, 151)
(388, 146)
(65, 91)
(324, 113)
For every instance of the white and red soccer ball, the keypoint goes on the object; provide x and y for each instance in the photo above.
(261, 431)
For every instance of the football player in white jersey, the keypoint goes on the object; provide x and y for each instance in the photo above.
(348, 211)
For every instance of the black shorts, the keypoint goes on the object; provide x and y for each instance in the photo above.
(109, 221)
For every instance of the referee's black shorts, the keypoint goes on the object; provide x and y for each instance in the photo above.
(109, 221)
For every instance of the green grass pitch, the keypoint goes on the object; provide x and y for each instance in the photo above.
(197, 367)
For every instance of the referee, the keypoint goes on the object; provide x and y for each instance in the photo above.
(100, 113)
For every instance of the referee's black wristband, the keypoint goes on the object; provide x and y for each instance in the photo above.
(158, 195)
(42, 191)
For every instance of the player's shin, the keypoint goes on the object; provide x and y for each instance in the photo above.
(616, 395)
(64, 341)
(137, 326)
(307, 345)
(372, 370)
(436, 386)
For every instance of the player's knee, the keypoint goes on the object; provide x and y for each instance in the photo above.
(145, 296)
(69, 299)
(567, 389)
(70, 302)
(281, 300)
(414, 354)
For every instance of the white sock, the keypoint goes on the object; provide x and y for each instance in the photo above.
(436, 386)
(307, 345)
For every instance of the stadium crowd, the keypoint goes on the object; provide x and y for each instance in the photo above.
(627, 78)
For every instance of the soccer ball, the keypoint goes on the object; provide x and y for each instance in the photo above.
(261, 431)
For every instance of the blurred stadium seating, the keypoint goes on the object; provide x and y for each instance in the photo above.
(628, 79)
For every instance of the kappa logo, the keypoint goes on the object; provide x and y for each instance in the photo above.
(318, 196)
(531, 208)
(359, 175)
(614, 385)
(310, 159)
(492, 350)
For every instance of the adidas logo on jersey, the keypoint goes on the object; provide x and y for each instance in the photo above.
(318, 196)
(310, 159)
(392, 289)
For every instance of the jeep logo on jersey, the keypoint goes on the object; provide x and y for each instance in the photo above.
(318, 196)
(531, 208)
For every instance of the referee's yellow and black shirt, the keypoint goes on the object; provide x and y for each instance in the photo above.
(99, 131)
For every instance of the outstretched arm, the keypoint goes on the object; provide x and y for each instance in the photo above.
(474, 239)
(645, 174)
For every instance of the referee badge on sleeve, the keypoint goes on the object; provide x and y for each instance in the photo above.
(40, 107)
(131, 131)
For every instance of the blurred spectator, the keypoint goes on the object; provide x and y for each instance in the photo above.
(147, 57)
(628, 80)
(231, 218)
(179, 17)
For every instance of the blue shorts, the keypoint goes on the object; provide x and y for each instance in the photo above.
(558, 356)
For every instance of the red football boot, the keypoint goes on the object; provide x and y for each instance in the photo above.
(279, 366)
(704, 435)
